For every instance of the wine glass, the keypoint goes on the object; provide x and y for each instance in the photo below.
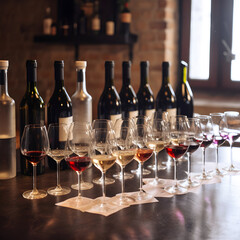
(156, 139)
(102, 124)
(79, 145)
(124, 154)
(176, 146)
(219, 137)
(57, 135)
(208, 136)
(34, 146)
(104, 159)
(195, 137)
(232, 131)
(142, 155)
(139, 120)
(119, 124)
(79, 141)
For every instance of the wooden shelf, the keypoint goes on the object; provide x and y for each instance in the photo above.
(129, 40)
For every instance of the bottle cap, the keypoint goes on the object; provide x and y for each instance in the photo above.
(59, 63)
(109, 63)
(144, 63)
(4, 64)
(126, 64)
(31, 63)
(165, 64)
(81, 64)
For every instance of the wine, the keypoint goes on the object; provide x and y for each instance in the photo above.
(103, 162)
(166, 100)
(219, 140)
(58, 154)
(176, 151)
(156, 145)
(193, 147)
(124, 157)
(32, 111)
(109, 105)
(127, 95)
(35, 156)
(184, 93)
(81, 100)
(59, 108)
(206, 143)
(96, 21)
(146, 104)
(231, 137)
(143, 154)
(125, 18)
(47, 22)
(78, 164)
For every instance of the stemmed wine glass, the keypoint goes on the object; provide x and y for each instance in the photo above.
(104, 159)
(34, 146)
(125, 154)
(208, 136)
(142, 155)
(79, 145)
(156, 139)
(176, 146)
(139, 120)
(232, 131)
(219, 137)
(195, 137)
(79, 141)
(57, 134)
(108, 125)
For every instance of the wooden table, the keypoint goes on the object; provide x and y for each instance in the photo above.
(214, 213)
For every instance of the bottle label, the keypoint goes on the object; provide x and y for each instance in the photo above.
(126, 17)
(133, 114)
(96, 24)
(63, 132)
(150, 113)
(171, 112)
(113, 118)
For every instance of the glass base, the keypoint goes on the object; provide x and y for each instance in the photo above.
(176, 189)
(126, 175)
(189, 183)
(84, 186)
(160, 167)
(102, 206)
(58, 191)
(137, 171)
(219, 173)
(142, 196)
(122, 200)
(37, 194)
(157, 182)
(204, 176)
(231, 169)
(100, 181)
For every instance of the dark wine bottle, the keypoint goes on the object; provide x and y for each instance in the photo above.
(125, 20)
(59, 109)
(109, 105)
(127, 95)
(146, 104)
(184, 92)
(96, 21)
(166, 99)
(32, 111)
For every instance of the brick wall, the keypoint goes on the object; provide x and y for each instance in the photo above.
(155, 22)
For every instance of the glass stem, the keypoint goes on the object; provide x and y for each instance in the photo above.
(175, 173)
(217, 158)
(103, 186)
(231, 156)
(58, 174)
(189, 166)
(122, 175)
(141, 174)
(79, 184)
(203, 162)
(156, 166)
(35, 178)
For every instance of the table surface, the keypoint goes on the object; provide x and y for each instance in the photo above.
(213, 213)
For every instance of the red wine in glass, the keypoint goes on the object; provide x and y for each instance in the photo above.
(176, 151)
(35, 156)
(219, 140)
(143, 154)
(193, 147)
(78, 164)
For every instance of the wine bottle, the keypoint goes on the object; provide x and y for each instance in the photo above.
(32, 111)
(146, 104)
(47, 22)
(96, 22)
(125, 20)
(166, 99)
(184, 93)
(7, 127)
(81, 100)
(59, 109)
(109, 105)
(127, 95)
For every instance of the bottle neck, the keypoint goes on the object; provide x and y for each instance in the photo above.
(144, 75)
(3, 82)
(183, 74)
(59, 77)
(81, 79)
(109, 76)
(31, 78)
(126, 73)
(165, 76)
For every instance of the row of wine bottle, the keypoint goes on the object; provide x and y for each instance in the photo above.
(63, 109)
